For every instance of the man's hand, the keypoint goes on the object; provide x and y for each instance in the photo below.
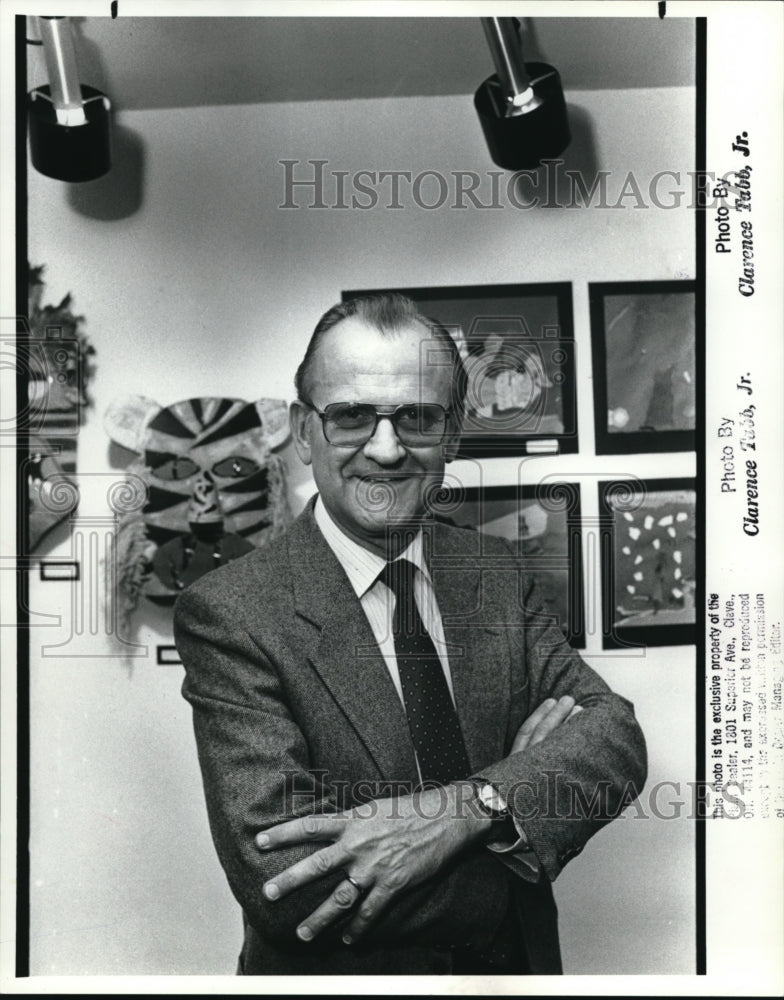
(540, 723)
(385, 846)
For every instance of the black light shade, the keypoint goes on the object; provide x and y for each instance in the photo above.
(521, 141)
(69, 152)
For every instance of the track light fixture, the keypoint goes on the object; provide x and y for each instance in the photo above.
(521, 107)
(69, 122)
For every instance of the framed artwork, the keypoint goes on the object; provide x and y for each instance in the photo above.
(643, 347)
(517, 344)
(544, 523)
(648, 562)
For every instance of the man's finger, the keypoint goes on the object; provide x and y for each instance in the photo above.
(315, 866)
(338, 904)
(557, 714)
(367, 912)
(525, 731)
(298, 831)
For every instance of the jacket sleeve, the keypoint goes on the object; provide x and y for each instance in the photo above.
(564, 789)
(254, 756)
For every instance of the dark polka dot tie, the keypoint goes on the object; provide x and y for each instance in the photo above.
(432, 719)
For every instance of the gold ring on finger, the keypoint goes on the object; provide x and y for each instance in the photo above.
(360, 889)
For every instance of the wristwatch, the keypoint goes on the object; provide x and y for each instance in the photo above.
(490, 801)
(492, 804)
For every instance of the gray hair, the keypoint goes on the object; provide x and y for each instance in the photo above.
(389, 313)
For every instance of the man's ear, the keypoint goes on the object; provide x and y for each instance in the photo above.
(301, 428)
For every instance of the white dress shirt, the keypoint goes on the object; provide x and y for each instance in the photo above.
(378, 602)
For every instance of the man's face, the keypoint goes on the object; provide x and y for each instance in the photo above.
(366, 487)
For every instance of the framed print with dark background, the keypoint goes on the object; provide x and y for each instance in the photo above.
(543, 523)
(643, 346)
(648, 562)
(517, 344)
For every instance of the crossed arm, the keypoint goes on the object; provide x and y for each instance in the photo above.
(248, 739)
(389, 845)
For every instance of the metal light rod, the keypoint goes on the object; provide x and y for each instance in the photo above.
(61, 66)
(507, 53)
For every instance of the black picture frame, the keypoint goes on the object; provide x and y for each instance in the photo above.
(56, 571)
(518, 345)
(550, 543)
(167, 656)
(643, 346)
(648, 562)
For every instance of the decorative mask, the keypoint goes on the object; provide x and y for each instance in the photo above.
(215, 490)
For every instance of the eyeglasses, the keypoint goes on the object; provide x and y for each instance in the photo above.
(350, 425)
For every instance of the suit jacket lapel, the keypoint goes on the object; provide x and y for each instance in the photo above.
(344, 651)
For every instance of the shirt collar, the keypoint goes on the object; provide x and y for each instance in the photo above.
(361, 565)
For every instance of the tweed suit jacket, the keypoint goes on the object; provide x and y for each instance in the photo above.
(293, 705)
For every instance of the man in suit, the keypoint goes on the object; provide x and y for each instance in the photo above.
(399, 749)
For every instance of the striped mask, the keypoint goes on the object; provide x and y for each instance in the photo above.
(215, 487)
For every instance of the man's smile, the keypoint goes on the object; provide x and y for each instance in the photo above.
(384, 477)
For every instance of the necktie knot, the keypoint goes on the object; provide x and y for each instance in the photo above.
(399, 576)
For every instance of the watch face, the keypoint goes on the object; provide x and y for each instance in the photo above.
(492, 799)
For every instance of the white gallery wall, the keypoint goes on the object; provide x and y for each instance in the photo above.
(211, 288)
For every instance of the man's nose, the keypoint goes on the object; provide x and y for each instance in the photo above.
(384, 447)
